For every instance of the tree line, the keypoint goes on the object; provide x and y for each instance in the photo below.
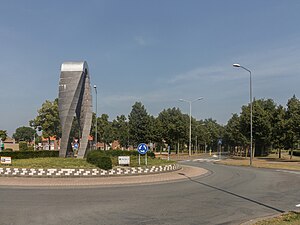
(274, 127)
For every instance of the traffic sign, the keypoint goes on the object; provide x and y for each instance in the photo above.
(76, 145)
(220, 141)
(142, 148)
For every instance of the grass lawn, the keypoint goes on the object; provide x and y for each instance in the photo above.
(50, 163)
(291, 218)
(73, 163)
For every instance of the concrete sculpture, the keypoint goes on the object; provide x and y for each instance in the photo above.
(74, 99)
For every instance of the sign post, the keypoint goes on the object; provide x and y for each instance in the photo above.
(220, 147)
(1, 145)
(142, 149)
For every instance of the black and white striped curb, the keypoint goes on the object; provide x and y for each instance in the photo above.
(20, 172)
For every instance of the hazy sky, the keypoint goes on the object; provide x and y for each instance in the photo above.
(154, 51)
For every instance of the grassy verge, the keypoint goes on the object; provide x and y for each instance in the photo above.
(291, 218)
(60, 163)
(259, 163)
(272, 161)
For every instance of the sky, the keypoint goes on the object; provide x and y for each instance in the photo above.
(155, 52)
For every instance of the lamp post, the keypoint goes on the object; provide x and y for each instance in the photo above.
(190, 133)
(95, 87)
(251, 136)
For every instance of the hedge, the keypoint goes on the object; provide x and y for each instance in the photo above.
(295, 152)
(93, 155)
(30, 154)
(102, 159)
(99, 159)
(116, 153)
(103, 162)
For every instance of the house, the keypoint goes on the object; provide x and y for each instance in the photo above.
(10, 143)
(53, 145)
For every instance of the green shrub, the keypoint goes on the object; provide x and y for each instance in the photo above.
(30, 154)
(93, 155)
(23, 146)
(295, 152)
(103, 162)
(99, 159)
(8, 150)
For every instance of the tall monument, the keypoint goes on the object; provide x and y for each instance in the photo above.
(74, 99)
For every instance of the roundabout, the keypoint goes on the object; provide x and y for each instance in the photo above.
(174, 173)
(199, 193)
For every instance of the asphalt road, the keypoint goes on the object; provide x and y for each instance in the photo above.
(227, 195)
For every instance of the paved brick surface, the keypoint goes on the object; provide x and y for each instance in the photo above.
(183, 173)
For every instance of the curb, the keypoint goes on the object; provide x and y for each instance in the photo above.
(259, 219)
(25, 172)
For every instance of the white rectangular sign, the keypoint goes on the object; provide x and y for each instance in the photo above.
(124, 160)
(5, 160)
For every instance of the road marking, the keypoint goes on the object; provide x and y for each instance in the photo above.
(185, 160)
(298, 205)
(206, 160)
(289, 171)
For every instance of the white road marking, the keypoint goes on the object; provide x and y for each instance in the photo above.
(289, 171)
(206, 160)
(185, 160)
(298, 205)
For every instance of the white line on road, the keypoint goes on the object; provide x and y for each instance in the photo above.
(206, 160)
(298, 205)
(287, 171)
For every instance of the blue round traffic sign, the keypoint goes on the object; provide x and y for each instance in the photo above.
(76, 145)
(142, 148)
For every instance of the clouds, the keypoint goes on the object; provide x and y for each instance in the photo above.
(280, 61)
(140, 40)
(151, 53)
(199, 73)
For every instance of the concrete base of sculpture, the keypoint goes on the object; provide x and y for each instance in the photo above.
(75, 100)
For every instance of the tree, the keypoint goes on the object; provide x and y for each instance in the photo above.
(155, 131)
(139, 122)
(121, 130)
(24, 134)
(104, 130)
(279, 129)
(263, 111)
(233, 134)
(175, 126)
(3, 135)
(201, 133)
(48, 120)
(293, 122)
(215, 131)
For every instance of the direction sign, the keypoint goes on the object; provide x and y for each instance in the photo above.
(142, 148)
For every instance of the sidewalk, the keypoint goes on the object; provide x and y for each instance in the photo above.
(182, 174)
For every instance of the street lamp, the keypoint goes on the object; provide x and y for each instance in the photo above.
(95, 87)
(251, 136)
(190, 134)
